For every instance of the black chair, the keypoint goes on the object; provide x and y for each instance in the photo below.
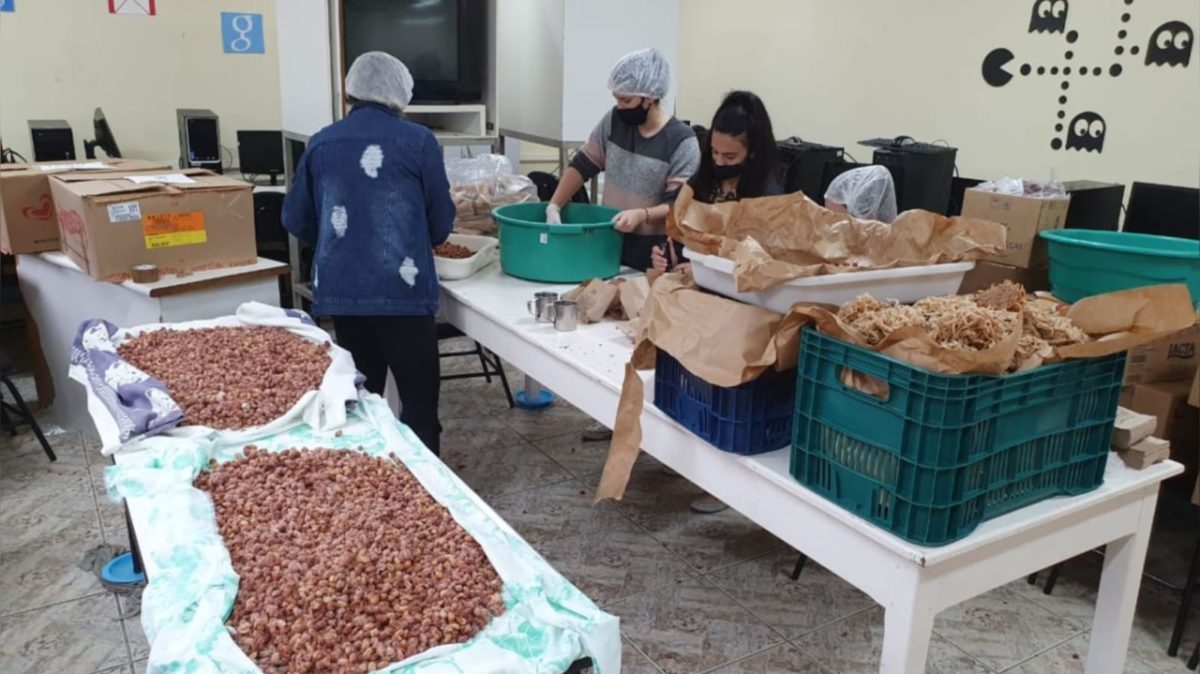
(546, 183)
(16, 414)
(490, 365)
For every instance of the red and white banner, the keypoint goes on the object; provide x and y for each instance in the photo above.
(139, 7)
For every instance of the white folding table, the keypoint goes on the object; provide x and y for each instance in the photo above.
(912, 582)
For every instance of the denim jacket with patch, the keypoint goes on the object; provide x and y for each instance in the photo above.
(371, 195)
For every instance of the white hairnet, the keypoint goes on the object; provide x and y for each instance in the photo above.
(379, 77)
(866, 192)
(643, 73)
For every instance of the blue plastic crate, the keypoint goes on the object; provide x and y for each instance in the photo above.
(938, 454)
(752, 418)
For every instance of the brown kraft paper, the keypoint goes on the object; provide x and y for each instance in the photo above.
(776, 239)
(727, 343)
(719, 340)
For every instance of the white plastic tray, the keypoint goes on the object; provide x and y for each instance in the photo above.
(906, 284)
(486, 251)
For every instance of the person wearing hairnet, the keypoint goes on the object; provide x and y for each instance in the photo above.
(866, 193)
(371, 195)
(646, 156)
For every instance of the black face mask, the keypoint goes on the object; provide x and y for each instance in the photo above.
(728, 171)
(635, 116)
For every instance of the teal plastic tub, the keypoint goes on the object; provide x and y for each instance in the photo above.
(1087, 262)
(585, 246)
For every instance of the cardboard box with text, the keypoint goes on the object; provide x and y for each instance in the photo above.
(184, 221)
(1171, 358)
(1023, 217)
(27, 222)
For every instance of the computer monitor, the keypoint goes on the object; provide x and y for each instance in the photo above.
(104, 138)
(1166, 210)
(199, 139)
(261, 153)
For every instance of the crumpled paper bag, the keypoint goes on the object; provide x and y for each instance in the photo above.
(1115, 321)
(776, 239)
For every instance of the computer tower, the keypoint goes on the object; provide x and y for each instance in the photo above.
(1094, 205)
(802, 165)
(199, 139)
(1166, 210)
(52, 140)
(922, 172)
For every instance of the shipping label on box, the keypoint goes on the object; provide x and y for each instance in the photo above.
(197, 222)
(27, 217)
(1023, 217)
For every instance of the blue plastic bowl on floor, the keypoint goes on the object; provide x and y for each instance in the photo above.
(1086, 262)
(119, 571)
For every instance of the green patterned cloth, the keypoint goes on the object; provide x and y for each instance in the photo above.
(547, 624)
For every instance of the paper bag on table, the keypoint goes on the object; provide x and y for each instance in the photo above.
(595, 298)
(776, 239)
(724, 342)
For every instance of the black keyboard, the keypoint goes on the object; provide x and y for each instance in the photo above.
(908, 145)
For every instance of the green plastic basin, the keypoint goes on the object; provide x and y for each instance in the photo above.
(585, 246)
(1087, 262)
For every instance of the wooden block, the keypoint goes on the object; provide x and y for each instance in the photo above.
(1131, 427)
(1139, 460)
(1151, 445)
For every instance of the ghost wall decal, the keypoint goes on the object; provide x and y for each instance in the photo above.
(1086, 132)
(1170, 45)
(1048, 16)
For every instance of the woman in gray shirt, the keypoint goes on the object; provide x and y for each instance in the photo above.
(646, 156)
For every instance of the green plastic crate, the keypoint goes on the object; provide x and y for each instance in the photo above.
(943, 453)
(1087, 262)
(585, 246)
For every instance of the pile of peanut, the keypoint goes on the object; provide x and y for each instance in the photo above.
(346, 563)
(230, 378)
(452, 251)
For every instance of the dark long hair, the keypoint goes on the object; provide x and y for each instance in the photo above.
(742, 115)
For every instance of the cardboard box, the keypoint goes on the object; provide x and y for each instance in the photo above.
(1194, 396)
(27, 222)
(1171, 358)
(1146, 453)
(1131, 427)
(1024, 217)
(1178, 422)
(987, 274)
(185, 221)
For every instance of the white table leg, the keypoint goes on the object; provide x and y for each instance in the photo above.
(907, 628)
(1117, 599)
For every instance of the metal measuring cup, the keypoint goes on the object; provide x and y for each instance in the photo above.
(541, 307)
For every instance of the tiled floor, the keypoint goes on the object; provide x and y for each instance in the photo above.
(694, 593)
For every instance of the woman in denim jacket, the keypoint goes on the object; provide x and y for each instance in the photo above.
(371, 195)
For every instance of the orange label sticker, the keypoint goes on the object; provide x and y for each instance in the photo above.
(163, 230)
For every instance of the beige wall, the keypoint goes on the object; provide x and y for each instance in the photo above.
(64, 58)
(840, 71)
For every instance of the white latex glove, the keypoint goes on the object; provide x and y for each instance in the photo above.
(553, 215)
(627, 221)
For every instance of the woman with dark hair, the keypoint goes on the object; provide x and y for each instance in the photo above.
(737, 161)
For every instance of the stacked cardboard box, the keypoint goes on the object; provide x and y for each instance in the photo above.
(181, 222)
(27, 218)
(1025, 262)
